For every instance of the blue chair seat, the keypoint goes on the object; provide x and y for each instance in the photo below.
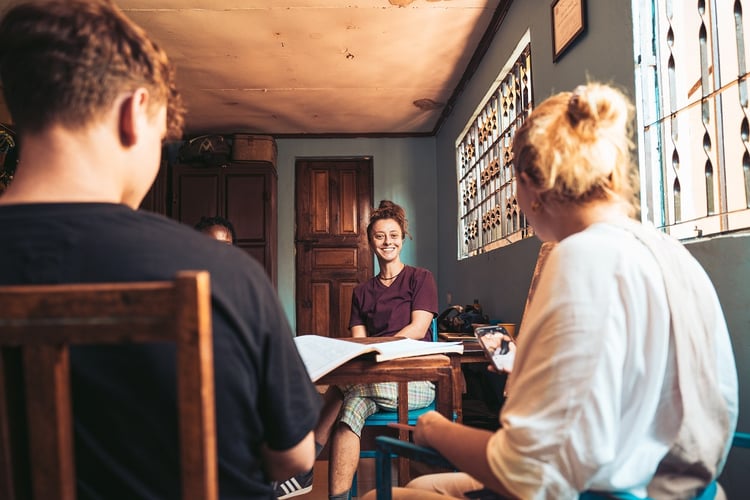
(383, 418)
(741, 439)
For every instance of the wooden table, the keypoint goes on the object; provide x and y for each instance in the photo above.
(438, 368)
(473, 352)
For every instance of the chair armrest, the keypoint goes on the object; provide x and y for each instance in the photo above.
(386, 447)
(741, 439)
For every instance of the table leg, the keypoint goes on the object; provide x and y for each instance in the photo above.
(403, 435)
(459, 387)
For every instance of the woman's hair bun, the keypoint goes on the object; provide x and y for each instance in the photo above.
(576, 146)
(389, 210)
(595, 107)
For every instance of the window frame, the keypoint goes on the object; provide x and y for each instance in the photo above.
(693, 147)
(488, 213)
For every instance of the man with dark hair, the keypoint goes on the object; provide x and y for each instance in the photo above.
(92, 98)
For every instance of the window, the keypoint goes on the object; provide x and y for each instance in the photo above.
(693, 116)
(489, 216)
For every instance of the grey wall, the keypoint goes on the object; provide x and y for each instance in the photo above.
(604, 52)
(726, 259)
(403, 171)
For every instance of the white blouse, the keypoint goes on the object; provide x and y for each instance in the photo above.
(591, 400)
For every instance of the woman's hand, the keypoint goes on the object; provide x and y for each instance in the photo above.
(503, 363)
(463, 446)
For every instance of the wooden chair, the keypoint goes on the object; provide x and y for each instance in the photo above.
(541, 259)
(43, 321)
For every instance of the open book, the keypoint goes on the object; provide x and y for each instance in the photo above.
(323, 354)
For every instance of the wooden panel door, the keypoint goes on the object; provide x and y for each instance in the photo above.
(333, 202)
(195, 193)
(249, 202)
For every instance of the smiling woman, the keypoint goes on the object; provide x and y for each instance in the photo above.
(399, 301)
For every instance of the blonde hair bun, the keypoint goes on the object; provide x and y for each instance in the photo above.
(595, 108)
(576, 147)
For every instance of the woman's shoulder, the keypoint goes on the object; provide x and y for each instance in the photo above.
(597, 239)
(416, 269)
(369, 283)
(417, 272)
(602, 248)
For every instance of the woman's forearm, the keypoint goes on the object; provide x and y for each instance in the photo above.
(465, 447)
(420, 322)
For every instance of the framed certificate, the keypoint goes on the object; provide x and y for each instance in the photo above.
(568, 22)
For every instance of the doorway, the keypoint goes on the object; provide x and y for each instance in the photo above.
(333, 200)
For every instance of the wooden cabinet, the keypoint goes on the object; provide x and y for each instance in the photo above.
(243, 192)
(156, 198)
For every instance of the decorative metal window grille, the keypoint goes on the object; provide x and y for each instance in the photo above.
(489, 216)
(693, 117)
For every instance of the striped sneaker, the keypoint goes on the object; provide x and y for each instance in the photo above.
(298, 485)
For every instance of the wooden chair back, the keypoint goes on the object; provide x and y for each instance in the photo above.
(43, 321)
(541, 259)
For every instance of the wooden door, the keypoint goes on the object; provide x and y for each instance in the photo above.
(333, 203)
(249, 202)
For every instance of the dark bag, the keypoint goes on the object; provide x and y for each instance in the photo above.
(458, 319)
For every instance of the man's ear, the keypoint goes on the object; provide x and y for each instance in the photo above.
(133, 110)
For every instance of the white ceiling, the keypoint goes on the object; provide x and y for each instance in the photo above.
(327, 67)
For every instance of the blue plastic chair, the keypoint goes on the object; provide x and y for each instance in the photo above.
(384, 417)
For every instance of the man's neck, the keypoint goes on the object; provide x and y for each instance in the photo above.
(59, 166)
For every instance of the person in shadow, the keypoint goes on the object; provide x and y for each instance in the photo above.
(92, 98)
(624, 382)
(217, 228)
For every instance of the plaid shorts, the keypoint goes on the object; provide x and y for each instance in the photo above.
(362, 400)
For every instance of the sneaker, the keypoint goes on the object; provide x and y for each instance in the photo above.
(298, 485)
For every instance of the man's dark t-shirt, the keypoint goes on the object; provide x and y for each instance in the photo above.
(124, 398)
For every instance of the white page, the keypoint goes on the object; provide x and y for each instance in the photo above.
(410, 347)
(322, 354)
